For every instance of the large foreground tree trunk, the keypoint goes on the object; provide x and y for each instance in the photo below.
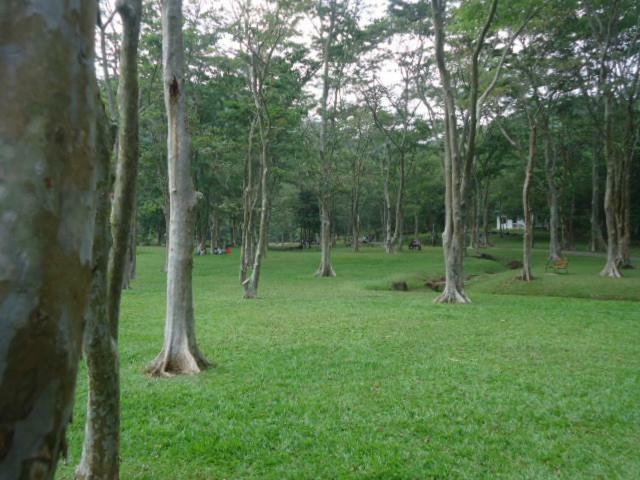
(180, 353)
(47, 214)
(100, 456)
(527, 272)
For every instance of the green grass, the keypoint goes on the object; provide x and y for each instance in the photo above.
(343, 378)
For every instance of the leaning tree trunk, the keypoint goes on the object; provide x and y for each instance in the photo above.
(527, 274)
(611, 195)
(555, 247)
(47, 214)
(180, 353)
(100, 456)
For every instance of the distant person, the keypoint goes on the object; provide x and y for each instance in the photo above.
(415, 244)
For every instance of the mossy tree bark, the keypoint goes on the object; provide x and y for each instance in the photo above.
(100, 455)
(47, 215)
(180, 353)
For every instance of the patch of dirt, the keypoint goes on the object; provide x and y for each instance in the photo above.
(400, 286)
(514, 264)
(486, 256)
(436, 284)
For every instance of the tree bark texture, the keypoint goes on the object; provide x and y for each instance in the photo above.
(100, 456)
(47, 214)
(180, 353)
(100, 453)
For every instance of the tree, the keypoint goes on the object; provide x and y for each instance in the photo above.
(100, 455)
(47, 212)
(263, 32)
(180, 353)
(457, 167)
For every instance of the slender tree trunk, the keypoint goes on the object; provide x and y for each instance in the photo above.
(249, 200)
(100, 453)
(386, 211)
(611, 195)
(527, 273)
(624, 235)
(100, 456)
(252, 283)
(396, 239)
(485, 216)
(48, 166)
(355, 206)
(326, 154)
(555, 247)
(597, 242)
(180, 353)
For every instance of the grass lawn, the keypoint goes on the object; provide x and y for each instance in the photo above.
(344, 378)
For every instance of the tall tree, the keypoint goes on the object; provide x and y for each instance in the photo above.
(47, 214)
(457, 163)
(180, 353)
(100, 455)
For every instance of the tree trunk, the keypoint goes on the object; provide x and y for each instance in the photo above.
(527, 274)
(252, 283)
(180, 353)
(326, 267)
(611, 195)
(326, 154)
(597, 243)
(453, 236)
(396, 240)
(355, 208)
(624, 230)
(386, 212)
(100, 452)
(100, 455)
(47, 214)
(555, 247)
(485, 216)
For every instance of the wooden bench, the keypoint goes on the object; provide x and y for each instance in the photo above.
(558, 266)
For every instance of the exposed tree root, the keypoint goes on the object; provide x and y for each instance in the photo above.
(180, 363)
(611, 270)
(452, 295)
(326, 272)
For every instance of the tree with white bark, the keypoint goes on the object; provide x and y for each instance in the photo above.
(180, 353)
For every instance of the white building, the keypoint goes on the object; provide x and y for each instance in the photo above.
(505, 223)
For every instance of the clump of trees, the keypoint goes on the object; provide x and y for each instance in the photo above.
(293, 121)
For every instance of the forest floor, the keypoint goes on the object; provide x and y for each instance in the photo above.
(345, 378)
